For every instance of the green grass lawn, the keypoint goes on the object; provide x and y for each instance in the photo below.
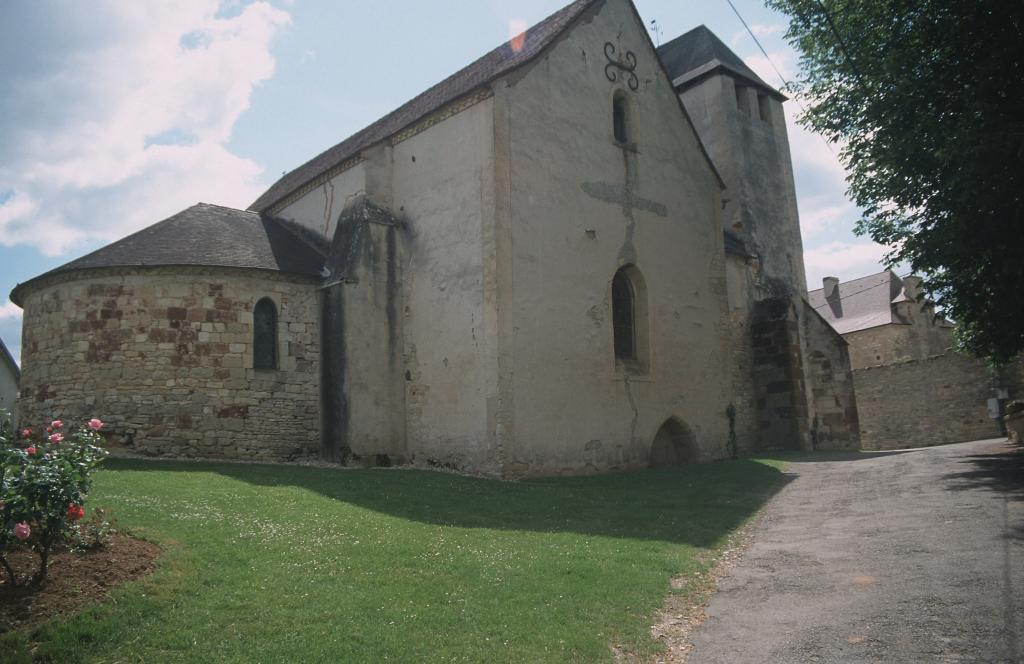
(272, 563)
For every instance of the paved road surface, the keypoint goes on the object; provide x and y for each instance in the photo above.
(913, 556)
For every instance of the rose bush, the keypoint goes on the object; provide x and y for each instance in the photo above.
(44, 481)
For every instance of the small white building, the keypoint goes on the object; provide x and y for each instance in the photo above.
(10, 375)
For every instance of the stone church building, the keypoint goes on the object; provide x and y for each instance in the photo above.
(579, 253)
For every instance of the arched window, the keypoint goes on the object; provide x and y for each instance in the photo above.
(264, 335)
(629, 321)
(624, 316)
(620, 121)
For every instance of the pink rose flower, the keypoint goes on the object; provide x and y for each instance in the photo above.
(56, 437)
(22, 531)
(31, 449)
(56, 424)
(95, 424)
(25, 433)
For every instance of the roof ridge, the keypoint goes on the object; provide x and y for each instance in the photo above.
(492, 65)
(699, 51)
(850, 281)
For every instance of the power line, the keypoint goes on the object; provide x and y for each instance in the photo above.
(756, 41)
(842, 46)
(782, 78)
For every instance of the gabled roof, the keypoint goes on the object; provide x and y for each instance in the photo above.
(863, 303)
(498, 62)
(8, 359)
(697, 53)
(205, 235)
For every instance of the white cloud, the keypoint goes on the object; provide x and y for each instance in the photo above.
(819, 214)
(143, 125)
(9, 310)
(845, 260)
(765, 67)
(759, 30)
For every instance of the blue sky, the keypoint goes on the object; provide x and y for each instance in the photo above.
(114, 115)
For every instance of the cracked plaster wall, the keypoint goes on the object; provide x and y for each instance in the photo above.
(580, 206)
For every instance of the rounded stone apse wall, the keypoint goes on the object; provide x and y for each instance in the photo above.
(165, 357)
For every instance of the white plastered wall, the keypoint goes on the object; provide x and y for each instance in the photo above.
(580, 206)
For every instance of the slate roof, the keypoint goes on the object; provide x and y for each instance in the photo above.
(863, 303)
(697, 53)
(206, 235)
(498, 62)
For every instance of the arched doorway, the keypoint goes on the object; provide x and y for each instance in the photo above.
(674, 445)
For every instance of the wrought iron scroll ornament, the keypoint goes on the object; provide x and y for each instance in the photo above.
(626, 65)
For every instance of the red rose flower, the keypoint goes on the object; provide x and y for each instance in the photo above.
(75, 512)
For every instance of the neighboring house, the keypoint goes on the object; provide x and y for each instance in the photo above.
(912, 388)
(10, 374)
(576, 254)
(881, 318)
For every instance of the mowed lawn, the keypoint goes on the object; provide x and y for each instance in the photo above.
(269, 563)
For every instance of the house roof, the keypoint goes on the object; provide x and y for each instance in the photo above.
(498, 62)
(9, 360)
(863, 303)
(205, 235)
(699, 52)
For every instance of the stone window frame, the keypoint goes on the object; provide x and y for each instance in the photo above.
(259, 341)
(624, 127)
(630, 327)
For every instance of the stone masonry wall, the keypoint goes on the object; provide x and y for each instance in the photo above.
(779, 376)
(831, 394)
(919, 403)
(164, 357)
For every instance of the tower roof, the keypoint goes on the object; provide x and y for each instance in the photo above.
(698, 53)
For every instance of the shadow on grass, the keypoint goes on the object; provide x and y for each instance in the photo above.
(696, 505)
(805, 456)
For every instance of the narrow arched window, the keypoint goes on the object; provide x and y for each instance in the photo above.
(624, 316)
(620, 124)
(264, 335)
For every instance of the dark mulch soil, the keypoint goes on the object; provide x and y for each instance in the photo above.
(75, 580)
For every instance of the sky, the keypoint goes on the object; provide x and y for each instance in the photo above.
(115, 115)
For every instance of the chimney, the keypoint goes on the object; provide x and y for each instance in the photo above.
(831, 287)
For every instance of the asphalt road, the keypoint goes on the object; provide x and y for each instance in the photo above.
(914, 556)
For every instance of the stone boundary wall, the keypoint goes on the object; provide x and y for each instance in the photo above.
(164, 357)
(941, 399)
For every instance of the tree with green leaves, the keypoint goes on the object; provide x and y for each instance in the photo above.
(926, 98)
